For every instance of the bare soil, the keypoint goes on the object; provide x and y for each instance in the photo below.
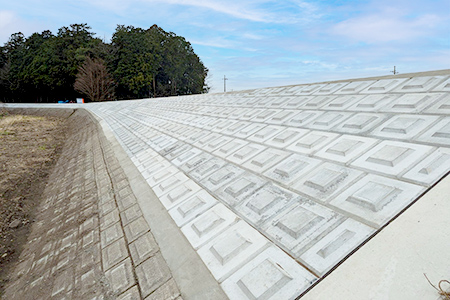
(29, 148)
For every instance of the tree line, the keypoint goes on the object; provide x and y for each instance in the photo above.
(138, 63)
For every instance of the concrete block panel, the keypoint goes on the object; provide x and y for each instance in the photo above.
(412, 103)
(223, 126)
(286, 137)
(383, 86)
(266, 203)
(404, 127)
(265, 133)
(249, 130)
(360, 123)
(392, 158)
(158, 176)
(221, 177)
(372, 103)
(419, 84)
(330, 88)
(240, 188)
(192, 207)
(235, 128)
(302, 118)
(281, 116)
(292, 168)
(438, 134)
(328, 120)
(311, 142)
(164, 186)
(270, 275)
(264, 115)
(326, 181)
(346, 148)
(335, 246)
(265, 160)
(432, 168)
(441, 107)
(205, 140)
(208, 225)
(179, 193)
(374, 199)
(232, 249)
(297, 101)
(230, 147)
(245, 153)
(342, 102)
(195, 161)
(444, 86)
(206, 168)
(309, 89)
(353, 87)
(278, 102)
(317, 102)
(250, 114)
(186, 156)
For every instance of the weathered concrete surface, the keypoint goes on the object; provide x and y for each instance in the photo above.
(90, 240)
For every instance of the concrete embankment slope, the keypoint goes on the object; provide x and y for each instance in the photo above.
(90, 239)
(267, 192)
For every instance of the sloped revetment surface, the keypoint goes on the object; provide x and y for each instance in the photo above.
(274, 187)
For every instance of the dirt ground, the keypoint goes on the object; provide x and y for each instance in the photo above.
(29, 147)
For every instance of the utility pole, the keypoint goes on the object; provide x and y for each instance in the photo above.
(394, 72)
(224, 84)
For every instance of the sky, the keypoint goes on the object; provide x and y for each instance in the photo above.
(258, 43)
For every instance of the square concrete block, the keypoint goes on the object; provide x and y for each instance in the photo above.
(342, 102)
(286, 137)
(332, 248)
(412, 103)
(236, 127)
(265, 133)
(292, 168)
(179, 193)
(270, 275)
(179, 150)
(232, 249)
(441, 107)
(277, 102)
(311, 142)
(431, 169)
(444, 86)
(223, 126)
(265, 203)
(265, 159)
(120, 278)
(346, 148)
(360, 123)
(372, 103)
(383, 86)
(195, 161)
(136, 228)
(142, 248)
(158, 176)
(310, 89)
(208, 225)
(302, 223)
(439, 134)
(240, 188)
(250, 114)
(330, 88)
(230, 147)
(264, 115)
(317, 102)
(168, 290)
(169, 183)
(374, 199)
(326, 181)
(111, 234)
(249, 130)
(404, 127)
(186, 156)
(221, 177)
(130, 214)
(419, 84)
(203, 141)
(353, 87)
(130, 294)
(328, 120)
(207, 168)
(192, 207)
(297, 101)
(152, 274)
(245, 153)
(281, 116)
(392, 158)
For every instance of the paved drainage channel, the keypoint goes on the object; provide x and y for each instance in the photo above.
(90, 240)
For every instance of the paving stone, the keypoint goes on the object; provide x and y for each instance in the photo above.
(168, 290)
(142, 248)
(270, 275)
(130, 294)
(114, 253)
(150, 281)
(136, 228)
(109, 219)
(120, 278)
(111, 234)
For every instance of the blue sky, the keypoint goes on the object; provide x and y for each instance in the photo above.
(267, 43)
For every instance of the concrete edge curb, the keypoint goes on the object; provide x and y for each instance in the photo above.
(190, 273)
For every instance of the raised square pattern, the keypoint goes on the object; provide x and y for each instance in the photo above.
(240, 188)
(221, 177)
(311, 142)
(192, 207)
(404, 126)
(438, 134)
(245, 153)
(293, 167)
(431, 168)
(179, 193)
(265, 160)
